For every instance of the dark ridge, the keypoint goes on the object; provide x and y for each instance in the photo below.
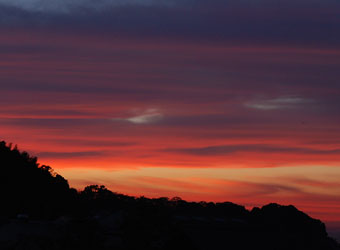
(40, 211)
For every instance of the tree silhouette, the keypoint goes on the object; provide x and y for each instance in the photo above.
(101, 219)
(27, 187)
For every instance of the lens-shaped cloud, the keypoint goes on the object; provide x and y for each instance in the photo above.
(278, 103)
(146, 117)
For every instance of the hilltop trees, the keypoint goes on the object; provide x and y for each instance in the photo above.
(97, 218)
(26, 187)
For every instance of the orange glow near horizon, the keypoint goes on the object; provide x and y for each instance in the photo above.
(203, 121)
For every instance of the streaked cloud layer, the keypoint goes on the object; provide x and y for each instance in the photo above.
(302, 22)
(190, 98)
(68, 6)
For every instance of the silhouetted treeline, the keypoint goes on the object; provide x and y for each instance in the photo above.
(40, 211)
(27, 187)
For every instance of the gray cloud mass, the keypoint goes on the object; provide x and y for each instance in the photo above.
(316, 22)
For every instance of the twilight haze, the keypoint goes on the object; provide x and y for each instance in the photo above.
(207, 100)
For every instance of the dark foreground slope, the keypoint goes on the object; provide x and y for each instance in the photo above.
(40, 211)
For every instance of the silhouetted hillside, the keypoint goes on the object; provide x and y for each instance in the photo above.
(40, 211)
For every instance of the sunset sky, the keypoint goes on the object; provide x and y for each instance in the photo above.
(219, 100)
